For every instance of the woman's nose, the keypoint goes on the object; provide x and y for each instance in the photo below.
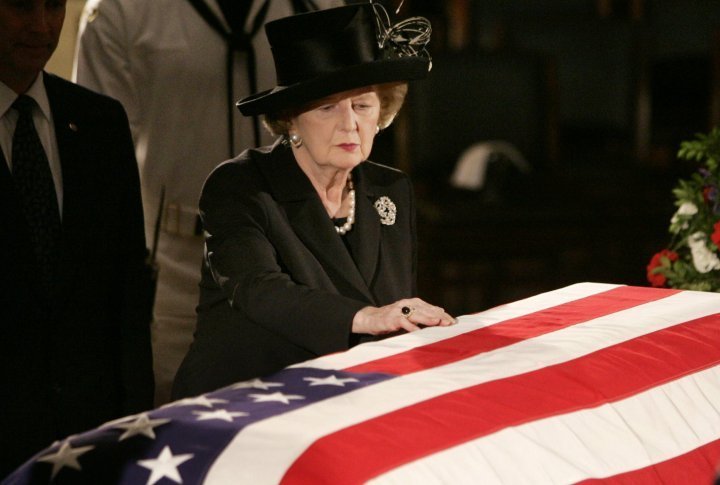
(348, 120)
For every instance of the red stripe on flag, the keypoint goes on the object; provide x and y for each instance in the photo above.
(514, 330)
(700, 465)
(368, 449)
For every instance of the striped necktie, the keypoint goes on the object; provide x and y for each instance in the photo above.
(36, 189)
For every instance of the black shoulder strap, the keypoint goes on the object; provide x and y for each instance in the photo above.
(302, 6)
(260, 18)
(213, 21)
(209, 17)
(241, 41)
(236, 41)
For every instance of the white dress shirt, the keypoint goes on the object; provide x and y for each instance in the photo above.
(42, 116)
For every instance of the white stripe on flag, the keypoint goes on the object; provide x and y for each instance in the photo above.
(466, 323)
(633, 433)
(262, 452)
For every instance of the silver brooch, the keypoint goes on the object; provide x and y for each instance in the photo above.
(386, 209)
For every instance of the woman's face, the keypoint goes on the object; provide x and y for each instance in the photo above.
(338, 131)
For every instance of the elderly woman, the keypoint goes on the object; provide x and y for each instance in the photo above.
(310, 247)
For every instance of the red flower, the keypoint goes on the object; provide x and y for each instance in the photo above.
(707, 193)
(656, 278)
(716, 234)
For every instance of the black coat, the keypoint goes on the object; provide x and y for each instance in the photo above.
(279, 286)
(82, 356)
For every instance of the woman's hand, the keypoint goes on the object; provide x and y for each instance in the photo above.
(403, 314)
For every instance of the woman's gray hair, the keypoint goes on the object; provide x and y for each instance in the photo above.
(392, 96)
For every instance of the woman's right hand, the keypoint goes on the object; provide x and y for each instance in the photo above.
(402, 315)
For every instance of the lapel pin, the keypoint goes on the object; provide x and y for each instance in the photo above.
(72, 126)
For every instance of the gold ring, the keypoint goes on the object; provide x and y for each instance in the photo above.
(407, 311)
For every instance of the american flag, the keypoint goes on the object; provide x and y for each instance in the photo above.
(592, 382)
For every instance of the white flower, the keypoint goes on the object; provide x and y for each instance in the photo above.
(684, 213)
(386, 209)
(704, 260)
(687, 209)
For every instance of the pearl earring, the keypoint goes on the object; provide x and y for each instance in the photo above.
(296, 140)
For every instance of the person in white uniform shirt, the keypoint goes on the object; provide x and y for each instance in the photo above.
(167, 62)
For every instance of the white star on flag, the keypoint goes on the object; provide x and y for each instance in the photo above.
(331, 380)
(142, 425)
(197, 401)
(124, 419)
(275, 396)
(256, 384)
(66, 456)
(165, 466)
(587, 382)
(221, 414)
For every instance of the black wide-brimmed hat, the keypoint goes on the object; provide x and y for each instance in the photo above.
(321, 53)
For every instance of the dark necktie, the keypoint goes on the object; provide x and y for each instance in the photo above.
(34, 184)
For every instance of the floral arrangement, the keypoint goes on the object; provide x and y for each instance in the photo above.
(692, 259)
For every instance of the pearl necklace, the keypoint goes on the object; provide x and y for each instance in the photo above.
(351, 211)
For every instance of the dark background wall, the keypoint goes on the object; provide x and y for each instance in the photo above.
(596, 95)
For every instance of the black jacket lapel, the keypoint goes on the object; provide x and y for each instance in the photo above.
(365, 237)
(67, 133)
(7, 188)
(15, 235)
(309, 220)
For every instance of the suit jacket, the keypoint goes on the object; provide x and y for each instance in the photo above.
(279, 285)
(80, 356)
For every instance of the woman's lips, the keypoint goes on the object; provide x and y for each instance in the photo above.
(348, 147)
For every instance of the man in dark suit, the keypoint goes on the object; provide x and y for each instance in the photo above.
(74, 322)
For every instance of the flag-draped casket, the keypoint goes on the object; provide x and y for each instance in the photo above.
(590, 382)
